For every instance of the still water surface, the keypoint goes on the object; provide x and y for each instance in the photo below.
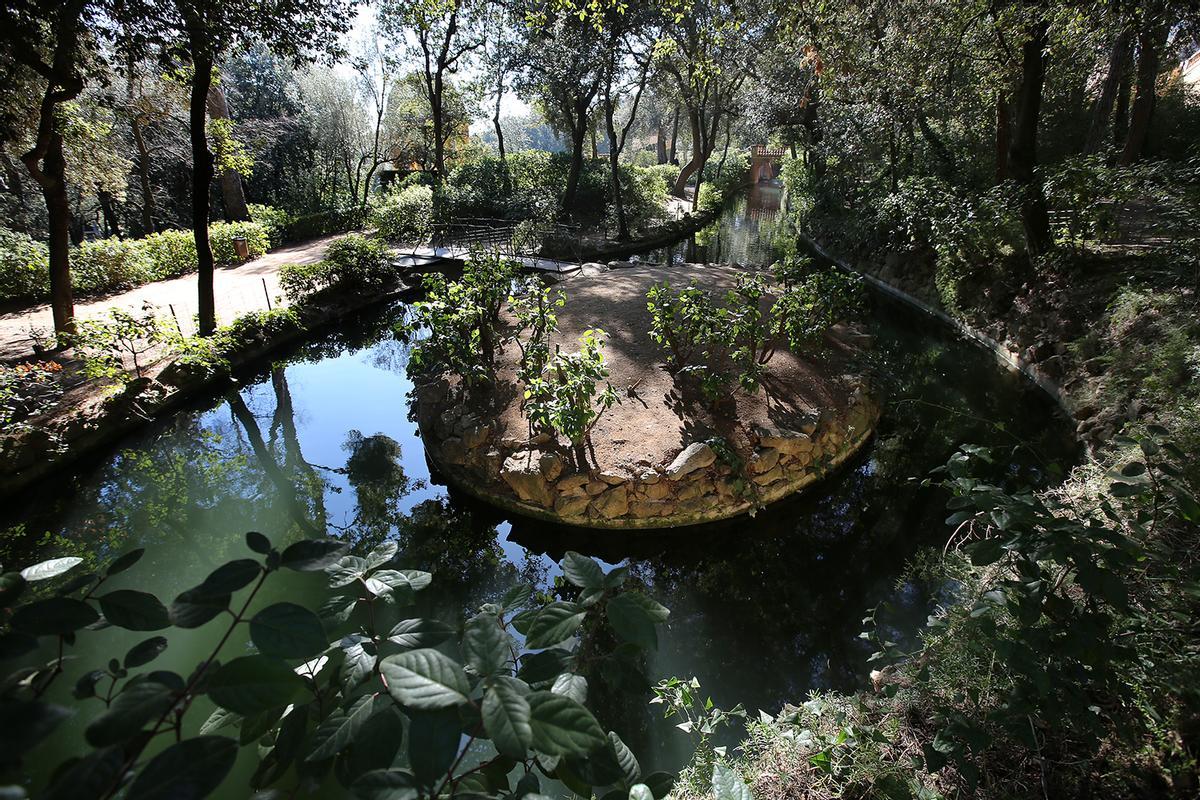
(764, 610)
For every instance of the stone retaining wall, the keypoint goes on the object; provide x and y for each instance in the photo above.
(537, 477)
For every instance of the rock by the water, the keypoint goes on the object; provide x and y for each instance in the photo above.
(696, 455)
(524, 477)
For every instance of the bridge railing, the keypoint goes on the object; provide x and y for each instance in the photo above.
(763, 151)
(513, 238)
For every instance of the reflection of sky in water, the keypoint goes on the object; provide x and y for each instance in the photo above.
(763, 609)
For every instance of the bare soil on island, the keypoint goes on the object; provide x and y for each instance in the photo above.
(661, 413)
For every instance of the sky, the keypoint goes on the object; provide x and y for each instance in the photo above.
(510, 105)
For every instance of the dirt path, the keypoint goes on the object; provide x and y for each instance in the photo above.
(238, 290)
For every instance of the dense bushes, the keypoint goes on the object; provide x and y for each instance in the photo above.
(353, 261)
(274, 220)
(666, 173)
(24, 271)
(105, 265)
(974, 239)
(532, 186)
(221, 236)
(323, 223)
(405, 214)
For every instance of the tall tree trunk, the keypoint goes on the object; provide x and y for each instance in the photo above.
(232, 193)
(111, 223)
(58, 207)
(1121, 112)
(500, 136)
(696, 162)
(1003, 136)
(671, 156)
(1118, 66)
(202, 177)
(578, 134)
(45, 161)
(661, 142)
(439, 130)
(143, 171)
(1152, 37)
(614, 155)
(1022, 154)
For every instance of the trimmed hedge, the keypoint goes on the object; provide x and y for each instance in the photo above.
(404, 215)
(353, 261)
(106, 265)
(322, 223)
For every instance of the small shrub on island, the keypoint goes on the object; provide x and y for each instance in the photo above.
(689, 322)
(461, 319)
(566, 398)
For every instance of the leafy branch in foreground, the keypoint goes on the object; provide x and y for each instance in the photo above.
(489, 705)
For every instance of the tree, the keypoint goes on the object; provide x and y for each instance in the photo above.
(629, 53)
(294, 29)
(1022, 153)
(232, 193)
(53, 40)
(564, 69)
(444, 34)
(377, 75)
(1151, 40)
(501, 54)
(707, 51)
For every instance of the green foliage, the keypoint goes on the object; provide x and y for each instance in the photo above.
(404, 215)
(110, 264)
(323, 223)
(275, 221)
(974, 238)
(354, 261)
(171, 253)
(681, 321)
(301, 281)
(813, 301)
(1062, 608)
(26, 390)
(106, 265)
(104, 343)
(754, 320)
(699, 718)
(667, 174)
(380, 712)
(210, 354)
(532, 185)
(222, 234)
(711, 198)
(533, 306)
(229, 154)
(566, 397)
(24, 267)
(1087, 193)
(461, 320)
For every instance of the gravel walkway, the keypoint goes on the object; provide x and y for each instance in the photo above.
(238, 290)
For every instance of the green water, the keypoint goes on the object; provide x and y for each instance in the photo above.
(763, 609)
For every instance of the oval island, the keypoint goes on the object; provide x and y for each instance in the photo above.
(664, 455)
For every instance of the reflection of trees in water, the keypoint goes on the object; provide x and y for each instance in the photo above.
(298, 488)
(462, 550)
(371, 328)
(374, 471)
(775, 609)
